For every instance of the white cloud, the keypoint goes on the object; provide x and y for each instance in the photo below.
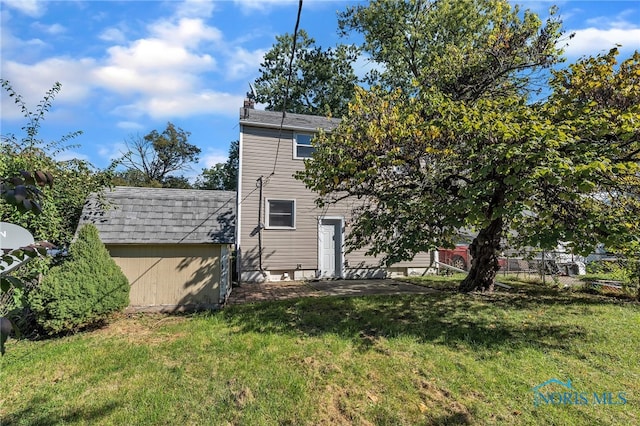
(244, 63)
(112, 151)
(32, 8)
(113, 34)
(213, 157)
(593, 41)
(183, 105)
(618, 21)
(156, 54)
(166, 63)
(53, 29)
(129, 81)
(159, 75)
(262, 5)
(187, 32)
(33, 81)
(195, 9)
(129, 125)
(71, 155)
(10, 42)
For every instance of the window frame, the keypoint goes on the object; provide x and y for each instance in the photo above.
(296, 144)
(268, 214)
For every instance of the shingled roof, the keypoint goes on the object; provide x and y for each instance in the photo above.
(272, 119)
(162, 216)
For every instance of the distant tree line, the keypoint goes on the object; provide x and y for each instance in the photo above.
(154, 159)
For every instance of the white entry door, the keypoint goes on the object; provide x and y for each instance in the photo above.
(330, 248)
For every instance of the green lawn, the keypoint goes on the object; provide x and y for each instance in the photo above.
(441, 358)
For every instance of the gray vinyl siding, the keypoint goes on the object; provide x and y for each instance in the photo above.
(284, 249)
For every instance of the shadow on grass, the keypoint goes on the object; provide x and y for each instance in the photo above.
(495, 321)
(451, 419)
(526, 294)
(35, 414)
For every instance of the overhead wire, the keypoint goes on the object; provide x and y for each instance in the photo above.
(260, 182)
(286, 88)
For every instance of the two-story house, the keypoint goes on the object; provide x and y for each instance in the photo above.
(281, 234)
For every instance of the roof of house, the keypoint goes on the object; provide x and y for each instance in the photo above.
(127, 215)
(273, 119)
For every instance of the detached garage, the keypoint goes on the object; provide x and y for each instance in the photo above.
(174, 245)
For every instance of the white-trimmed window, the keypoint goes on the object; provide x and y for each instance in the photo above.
(302, 145)
(281, 214)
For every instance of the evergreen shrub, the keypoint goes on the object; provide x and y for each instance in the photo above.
(81, 291)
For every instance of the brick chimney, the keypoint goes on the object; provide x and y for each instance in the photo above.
(249, 102)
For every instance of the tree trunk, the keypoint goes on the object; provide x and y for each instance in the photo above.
(484, 251)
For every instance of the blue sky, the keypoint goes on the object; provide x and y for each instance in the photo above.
(128, 67)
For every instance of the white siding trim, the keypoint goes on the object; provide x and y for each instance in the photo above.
(239, 206)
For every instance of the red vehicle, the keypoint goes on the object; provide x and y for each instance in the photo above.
(460, 258)
(457, 257)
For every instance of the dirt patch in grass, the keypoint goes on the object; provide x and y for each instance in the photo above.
(138, 328)
(433, 396)
(241, 395)
(339, 409)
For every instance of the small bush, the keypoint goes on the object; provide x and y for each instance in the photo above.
(82, 290)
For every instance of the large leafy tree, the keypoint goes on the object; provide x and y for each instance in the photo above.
(441, 155)
(151, 160)
(466, 48)
(322, 81)
(222, 175)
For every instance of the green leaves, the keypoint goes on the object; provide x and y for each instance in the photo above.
(468, 49)
(322, 82)
(11, 257)
(419, 169)
(8, 282)
(23, 191)
(223, 175)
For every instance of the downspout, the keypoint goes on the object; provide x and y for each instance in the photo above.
(260, 225)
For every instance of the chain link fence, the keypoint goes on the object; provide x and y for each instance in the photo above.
(600, 272)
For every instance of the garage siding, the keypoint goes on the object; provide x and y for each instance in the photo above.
(170, 274)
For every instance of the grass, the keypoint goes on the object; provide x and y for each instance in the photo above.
(441, 358)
